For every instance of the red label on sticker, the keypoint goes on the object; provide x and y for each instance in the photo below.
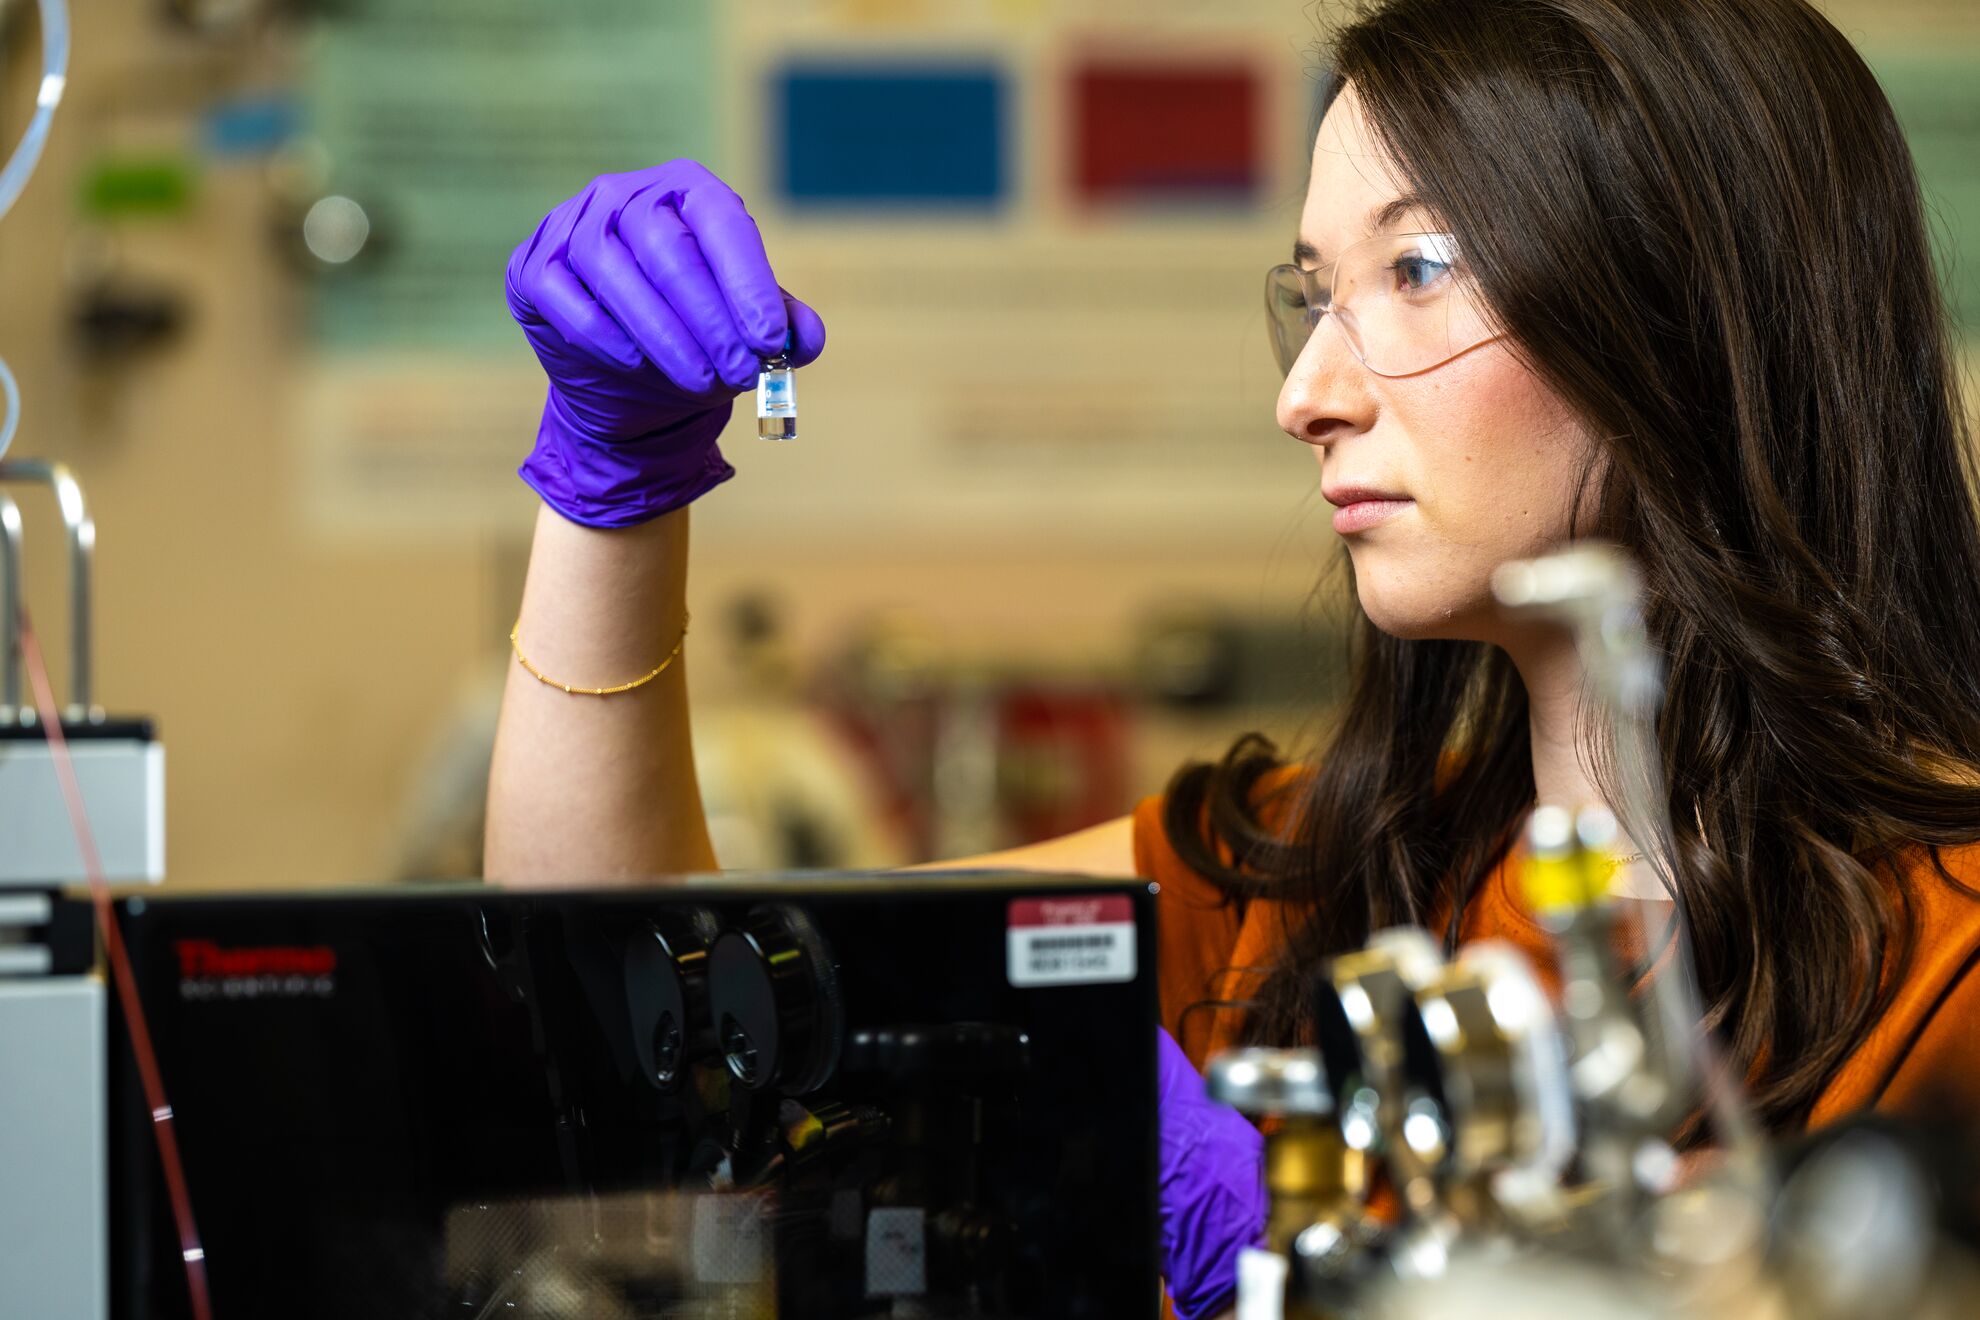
(1073, 910)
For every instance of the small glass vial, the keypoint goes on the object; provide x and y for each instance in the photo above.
(776, 399)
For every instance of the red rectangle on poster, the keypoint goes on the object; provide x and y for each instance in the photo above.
(1170, 131)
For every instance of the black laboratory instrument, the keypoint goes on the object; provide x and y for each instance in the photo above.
(815, 1095)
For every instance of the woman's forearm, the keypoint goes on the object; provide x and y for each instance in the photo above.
(598, 788)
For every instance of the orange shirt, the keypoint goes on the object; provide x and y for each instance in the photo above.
(1925, 1051)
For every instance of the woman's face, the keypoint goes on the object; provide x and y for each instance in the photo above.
(1483, 457)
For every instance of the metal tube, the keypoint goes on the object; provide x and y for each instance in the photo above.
(10, 608)
(1594, 591)
(82, 550)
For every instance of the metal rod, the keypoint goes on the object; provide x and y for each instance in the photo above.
(82, 550)
(1594, 591)
(10, 608)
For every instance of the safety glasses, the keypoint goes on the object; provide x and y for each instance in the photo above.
(1401, 300)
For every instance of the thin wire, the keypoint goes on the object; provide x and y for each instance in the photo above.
(12, 389)
(114, 952)
(14, 176)
(54, 79)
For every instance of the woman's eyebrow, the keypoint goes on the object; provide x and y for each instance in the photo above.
(1305, 254)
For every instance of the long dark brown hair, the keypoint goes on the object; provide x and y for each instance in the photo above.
(1700, 224)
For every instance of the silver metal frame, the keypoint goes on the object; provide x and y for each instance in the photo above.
(10, 608)
(81, 527)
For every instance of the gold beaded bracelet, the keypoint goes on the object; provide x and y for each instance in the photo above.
(548, 681)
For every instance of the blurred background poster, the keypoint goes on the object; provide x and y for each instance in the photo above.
(1040, 540)
(1032, 230)
(441, 132)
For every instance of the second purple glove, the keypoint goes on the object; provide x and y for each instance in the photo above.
(649, 301)
(1213, 1186)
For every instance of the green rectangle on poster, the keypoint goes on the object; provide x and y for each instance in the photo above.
(1936, 94)
(457, 124)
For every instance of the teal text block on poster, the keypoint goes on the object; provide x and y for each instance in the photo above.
(1936, 94)
(457, 124)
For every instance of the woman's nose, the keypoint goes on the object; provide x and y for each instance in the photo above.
(1325, 395)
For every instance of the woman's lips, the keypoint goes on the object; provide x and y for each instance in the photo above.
(1364, 514)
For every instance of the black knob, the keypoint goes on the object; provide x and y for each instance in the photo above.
(667, 991)
(774, 998)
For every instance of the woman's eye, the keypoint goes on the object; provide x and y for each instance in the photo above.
(1415, 273)
(1297, 301)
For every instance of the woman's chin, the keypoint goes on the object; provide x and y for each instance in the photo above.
(1417, 617)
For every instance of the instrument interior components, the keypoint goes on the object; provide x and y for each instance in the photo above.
(1632, 1092)
(1317, 1182)
(774, 999)
(667, 992)
(1486, 1073)
(965, 1058)
(1593, 590)
(1355, 1011)
(429, 1100)
(829, 1132)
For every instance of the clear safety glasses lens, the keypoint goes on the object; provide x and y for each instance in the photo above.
(1401, 301)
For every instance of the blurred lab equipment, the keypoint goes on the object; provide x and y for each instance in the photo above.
(119, 762)
(977, 750)
(53, 1198)
(1192, 656)
(803, 1095)
(975, 754)
(782, 787)
(52, 1136)
(1531, 1154)
(901, 745)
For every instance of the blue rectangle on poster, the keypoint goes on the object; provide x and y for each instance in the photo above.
(893, 135)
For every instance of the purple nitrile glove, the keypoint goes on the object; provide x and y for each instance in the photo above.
(650, 302)
(1213, 1185)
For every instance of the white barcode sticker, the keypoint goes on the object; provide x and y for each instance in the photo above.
(1077, 940)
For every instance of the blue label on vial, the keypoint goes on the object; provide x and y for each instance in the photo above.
(774, 395)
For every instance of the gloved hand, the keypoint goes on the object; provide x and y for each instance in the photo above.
(650, 302)
(1213, 1186)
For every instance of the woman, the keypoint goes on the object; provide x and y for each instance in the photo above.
(1565, 267)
